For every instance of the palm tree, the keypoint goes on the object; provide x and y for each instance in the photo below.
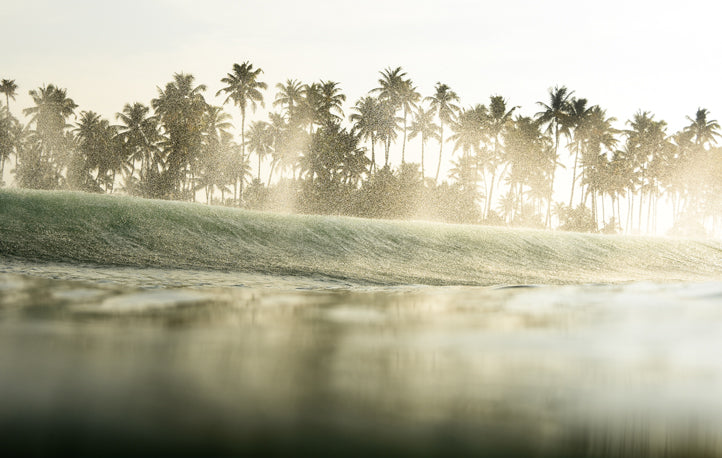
(8, 87)
(278, 130)
(469, 130)
(409, 102)
(366, 122)
(180, 108)
(289, 95)
(101, 150)
(7, 143)
(387, 125)
(556, 116)
(260, 141)
(52, 108)
(442, 103)
(578, 115)
(526, 155)
(703, 131)
(391, 87)
(139, 131)
(600, 139)
(645, 140)
(424, 126)
(331, 101)
(310, 110)
(497, 119)
(244, 89)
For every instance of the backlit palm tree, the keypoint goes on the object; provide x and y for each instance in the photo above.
(424, 126)
(366, 122)
(139, 132)
(260, 141)
(8, 87)
(332, 100)
(578, 115)
(244, 88)
(497, 119)
(704, 131)
(443, 104)
(556, 116)
(48, 116)
(409, 98)
(289, 95)
(180, 107)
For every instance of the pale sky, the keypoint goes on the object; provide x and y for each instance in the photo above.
(659, 56)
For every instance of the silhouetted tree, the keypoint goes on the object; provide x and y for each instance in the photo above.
(443, 104)
(244, 88)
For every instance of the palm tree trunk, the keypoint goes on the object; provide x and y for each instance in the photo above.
(548, 222)
(387, 147)
(243, 153)
(491, 192)
(630, 212)
(270, 174)
(574, 175)
(403, 144)
(441, 147)
(649, 211)
(422, 158)
(641, 207)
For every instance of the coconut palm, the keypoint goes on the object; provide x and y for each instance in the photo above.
(366, 122)
(260, 141)
(391, 87)
(277, 130)
(244, 88)
(100, 149)
(442, 103)
(289, 95)
(387, 125)
(525, 148)
(578, 114)
(311, 109)
(645, 140)
(424, 126)
(497, 119)
(409, 98)
(6, 143)
(180, 106)
(8, 87)
(599, 139)
(52, 145)
(556, 116)
(332, 100)
(704, 131)
(139, 131)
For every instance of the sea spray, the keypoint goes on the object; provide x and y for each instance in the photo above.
(119, 231)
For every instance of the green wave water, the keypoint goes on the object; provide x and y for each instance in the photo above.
(122, 231)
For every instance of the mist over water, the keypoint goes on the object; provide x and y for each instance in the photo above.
(130, 326)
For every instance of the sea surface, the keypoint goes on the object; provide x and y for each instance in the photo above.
(132, 327)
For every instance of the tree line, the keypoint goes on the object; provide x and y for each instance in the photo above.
(319, 160)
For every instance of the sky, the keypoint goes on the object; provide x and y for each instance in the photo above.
(658, 56)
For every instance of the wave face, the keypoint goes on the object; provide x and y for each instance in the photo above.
(122, 231)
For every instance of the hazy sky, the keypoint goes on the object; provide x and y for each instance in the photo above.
(659, 56)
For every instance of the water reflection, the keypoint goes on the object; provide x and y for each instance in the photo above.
(630, 370)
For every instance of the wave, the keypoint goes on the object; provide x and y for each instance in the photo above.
(107, 230)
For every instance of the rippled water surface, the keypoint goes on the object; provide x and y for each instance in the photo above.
(115, 361)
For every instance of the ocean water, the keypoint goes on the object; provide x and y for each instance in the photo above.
(140, 327)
